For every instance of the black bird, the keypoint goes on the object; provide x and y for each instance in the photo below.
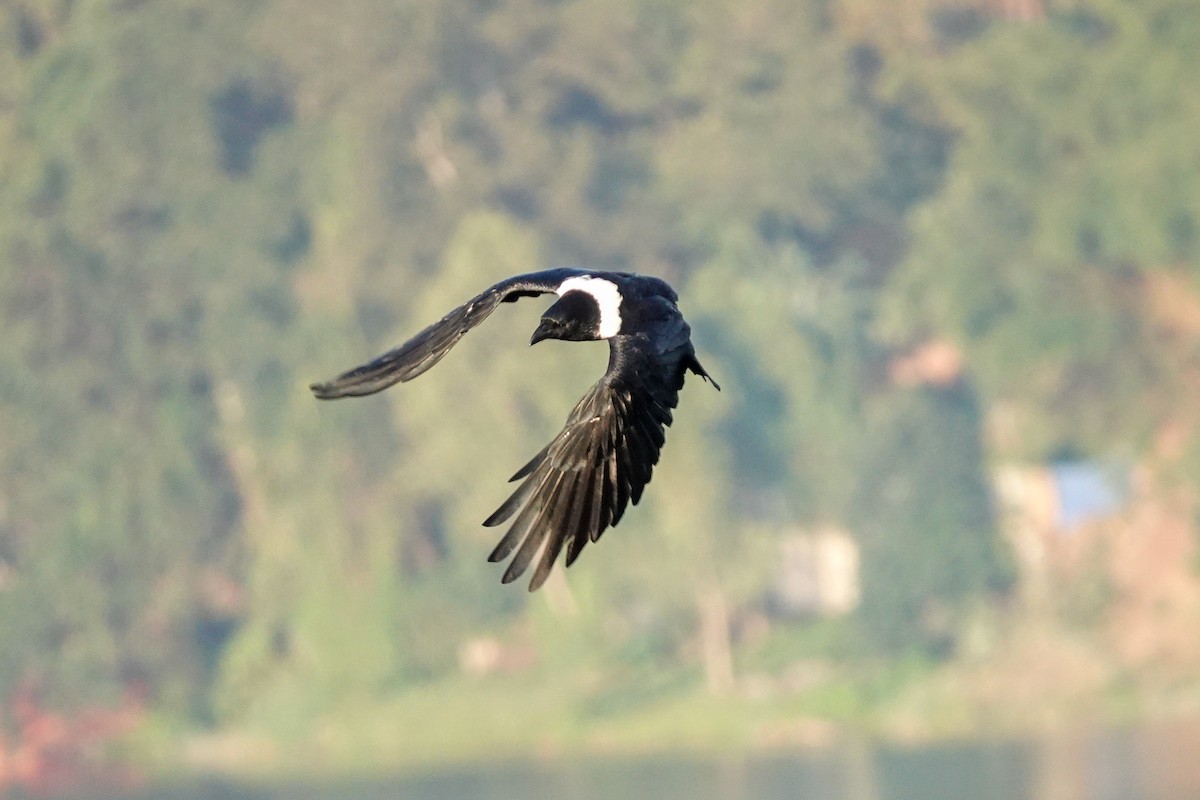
(581, 482)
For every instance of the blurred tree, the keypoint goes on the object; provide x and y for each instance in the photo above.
(1072, 182)
(117, 495)
(923, 515)
(791, 338)
(771, 135)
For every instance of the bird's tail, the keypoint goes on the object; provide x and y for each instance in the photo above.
(691, 363)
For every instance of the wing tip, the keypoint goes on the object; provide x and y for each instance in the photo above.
(496, 518)
(512, 573)
(324, 391)
(500, 551)
(535, 582)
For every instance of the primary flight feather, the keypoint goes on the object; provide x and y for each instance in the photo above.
(580, 483)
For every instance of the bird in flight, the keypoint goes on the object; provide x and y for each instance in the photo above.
(582, 481)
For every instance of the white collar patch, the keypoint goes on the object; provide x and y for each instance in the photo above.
(607, 297)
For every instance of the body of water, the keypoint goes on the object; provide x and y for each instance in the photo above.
(1147, 764)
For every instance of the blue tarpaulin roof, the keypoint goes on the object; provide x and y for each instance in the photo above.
(1088, 490)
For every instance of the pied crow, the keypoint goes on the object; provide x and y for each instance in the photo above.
(582, 481)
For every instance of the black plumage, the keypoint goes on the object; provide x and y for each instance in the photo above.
(580, 483)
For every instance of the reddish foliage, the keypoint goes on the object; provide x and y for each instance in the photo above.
(48, 752)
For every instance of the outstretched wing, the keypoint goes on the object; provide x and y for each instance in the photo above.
(581, 483)
(429, 346)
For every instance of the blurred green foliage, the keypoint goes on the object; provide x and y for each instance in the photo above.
(204, 206)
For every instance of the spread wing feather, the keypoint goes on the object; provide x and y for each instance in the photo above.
(428, 347)
(581, 483)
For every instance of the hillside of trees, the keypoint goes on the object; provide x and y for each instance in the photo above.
(918, 243)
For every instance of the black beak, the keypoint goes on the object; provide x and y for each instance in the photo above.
(545, 330)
